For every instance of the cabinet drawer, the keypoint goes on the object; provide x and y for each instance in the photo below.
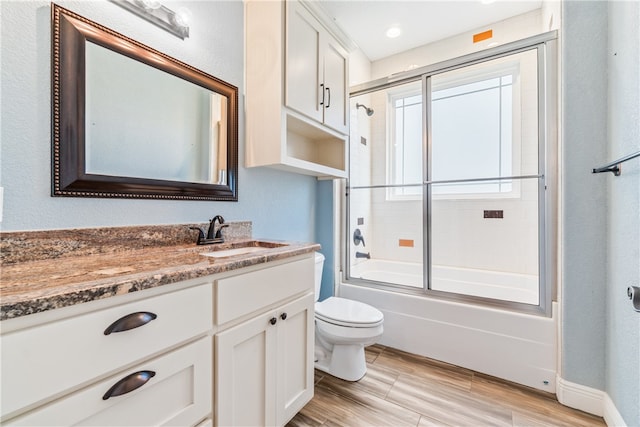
(179, 393)
(243, 294)
(46, 360)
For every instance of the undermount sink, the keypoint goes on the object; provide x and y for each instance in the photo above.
(246, 248)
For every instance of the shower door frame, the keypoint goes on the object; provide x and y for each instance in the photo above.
(546, 47)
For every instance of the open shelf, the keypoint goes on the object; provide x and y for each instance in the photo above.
(316, 148)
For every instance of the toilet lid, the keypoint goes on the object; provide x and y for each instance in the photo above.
(341, 311)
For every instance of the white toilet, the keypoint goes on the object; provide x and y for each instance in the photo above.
(343, 329)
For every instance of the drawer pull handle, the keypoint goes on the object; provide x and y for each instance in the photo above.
(129, 383)
(130, 321)
(283, 316)
(273, 320)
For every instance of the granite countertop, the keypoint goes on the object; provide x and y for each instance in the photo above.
(49, 282)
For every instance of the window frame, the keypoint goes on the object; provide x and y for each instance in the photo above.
(465, 78)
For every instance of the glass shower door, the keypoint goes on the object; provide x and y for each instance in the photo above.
(484, 180)
(385, 191)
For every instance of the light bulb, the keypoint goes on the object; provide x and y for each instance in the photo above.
(150, 4)
(182, 17)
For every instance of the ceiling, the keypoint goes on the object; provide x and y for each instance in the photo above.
(421, 21)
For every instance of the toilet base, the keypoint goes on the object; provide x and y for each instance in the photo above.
(346, 362)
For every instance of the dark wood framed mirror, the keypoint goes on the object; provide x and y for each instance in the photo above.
(132, 122)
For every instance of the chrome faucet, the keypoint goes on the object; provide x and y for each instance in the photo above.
(213, 235)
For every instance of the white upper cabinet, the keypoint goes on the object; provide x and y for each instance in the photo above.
(296, 91)
(335, 86)
(316, 68)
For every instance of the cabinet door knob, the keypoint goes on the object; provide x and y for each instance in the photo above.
(129, 383)
(322, 89)
(273, 320)
(328, 97)
(130, 321)
(283, 316)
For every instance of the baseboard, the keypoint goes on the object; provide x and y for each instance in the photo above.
(580, 397)
(611, 415)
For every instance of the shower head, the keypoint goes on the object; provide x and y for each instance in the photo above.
(367, 109)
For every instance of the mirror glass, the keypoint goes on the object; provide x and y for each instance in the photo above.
(130, 121)
(175, 133)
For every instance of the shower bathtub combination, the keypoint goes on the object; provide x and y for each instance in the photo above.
(497, 285)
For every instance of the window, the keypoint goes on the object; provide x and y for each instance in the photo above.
(406, 144)
(485, 146)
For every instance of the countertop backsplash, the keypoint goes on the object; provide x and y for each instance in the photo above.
(25, 246)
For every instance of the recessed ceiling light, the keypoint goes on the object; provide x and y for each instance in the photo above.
(393, 32)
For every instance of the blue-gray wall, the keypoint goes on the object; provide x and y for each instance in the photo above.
(584, 128)
(280, 204)
(623, 209)
(601, 213)
(325, 229)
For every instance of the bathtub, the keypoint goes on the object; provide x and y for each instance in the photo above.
(498, 285)
(516, 346)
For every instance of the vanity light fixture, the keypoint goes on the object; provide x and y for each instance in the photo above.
(153, 11)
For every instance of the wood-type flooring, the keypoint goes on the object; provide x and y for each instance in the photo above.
(402, 389)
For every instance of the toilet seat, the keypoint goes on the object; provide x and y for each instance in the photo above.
(348, 313)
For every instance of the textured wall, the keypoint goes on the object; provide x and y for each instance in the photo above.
(280, 204)
(584, 135)
(623, 213)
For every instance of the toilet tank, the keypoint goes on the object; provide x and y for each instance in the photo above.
(318, 273)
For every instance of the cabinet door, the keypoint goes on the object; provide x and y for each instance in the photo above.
(303, 92)
(245, 373)
(295, 357)
(335, 84)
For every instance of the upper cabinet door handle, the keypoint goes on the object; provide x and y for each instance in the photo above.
(328, 97)
(129, 383)
(322, 89)
(130, 321)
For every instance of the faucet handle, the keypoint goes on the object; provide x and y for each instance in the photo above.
(219, 232)
(200, 234)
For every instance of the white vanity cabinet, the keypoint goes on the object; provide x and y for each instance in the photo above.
(296, 91)
(264, 364)
(233, 348)
(158, 356)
